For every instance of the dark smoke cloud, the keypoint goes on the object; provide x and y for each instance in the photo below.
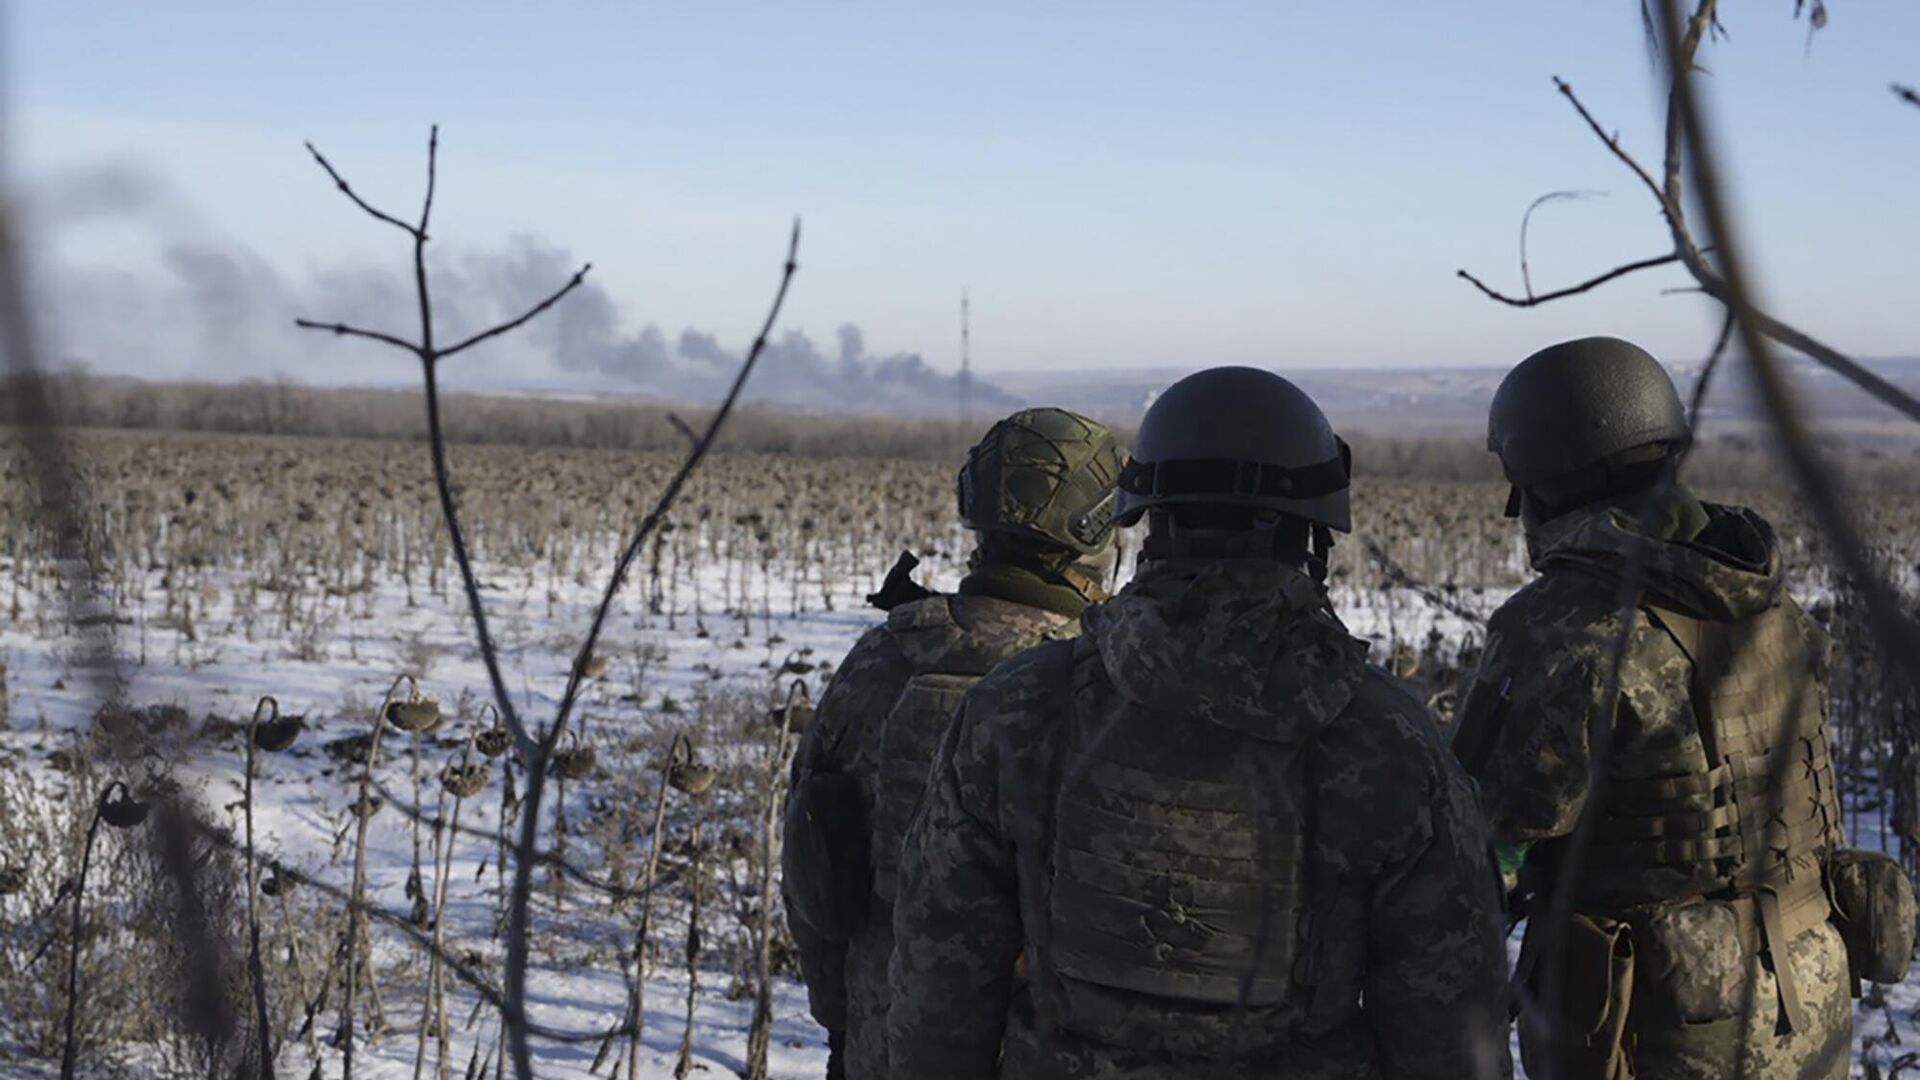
(213, 309)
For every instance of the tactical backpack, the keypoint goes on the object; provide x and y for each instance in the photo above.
(1176, 868)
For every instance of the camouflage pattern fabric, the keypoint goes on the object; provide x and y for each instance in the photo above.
(847, 981)
(1525, 733)
(1404, 909)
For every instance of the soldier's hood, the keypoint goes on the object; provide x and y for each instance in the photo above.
(1247, 644)
(1729, 569)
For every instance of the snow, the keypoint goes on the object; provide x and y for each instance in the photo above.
(338, 671)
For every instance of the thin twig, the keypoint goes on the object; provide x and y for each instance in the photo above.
(343, 330)
(514, 1014)
(679, 425)
(572, 283)
(347, 190)
(1572, 290)
(1612, 141)
(1907, 94)
(1526, 219)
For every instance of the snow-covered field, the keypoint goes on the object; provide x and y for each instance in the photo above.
(661, 667)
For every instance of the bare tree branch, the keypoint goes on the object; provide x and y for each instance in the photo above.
(341, 183)
(1897, 632)
(343, 330)
(1612, 141)
(1693, 255)
(572, 284)
(679, 425)
(1573, 290)
(514, 1012)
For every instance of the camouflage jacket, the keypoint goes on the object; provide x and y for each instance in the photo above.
(1527, 712)
(1400, 894)
(846, 980)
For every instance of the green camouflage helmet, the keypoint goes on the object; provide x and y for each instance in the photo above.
(1045, 474)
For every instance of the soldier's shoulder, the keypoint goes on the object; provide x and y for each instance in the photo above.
(1386, 723)
(1033, 679)
(1558, 608)
(875, 657)
(1384, 765)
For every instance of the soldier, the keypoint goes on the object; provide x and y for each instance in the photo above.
(1206, 838)
(1700, 943)
(1038, 493)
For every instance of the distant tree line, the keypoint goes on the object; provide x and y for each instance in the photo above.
(1728, 460)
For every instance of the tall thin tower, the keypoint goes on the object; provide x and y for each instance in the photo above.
(966, 365)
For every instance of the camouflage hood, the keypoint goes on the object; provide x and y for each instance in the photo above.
(1729, 568)
(1246, 644)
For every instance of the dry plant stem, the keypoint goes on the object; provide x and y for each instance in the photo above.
(77, 944)
(685, 1063)
(444, 872)
(760, 1032)
(356, 923)
(472, 976)
(637, 1007)
(518, 912)
(613, 891)
(256, 970)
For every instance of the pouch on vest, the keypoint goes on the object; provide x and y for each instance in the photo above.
(824, 859)
(1598, 969)
(909, 741)
(1873, 907)
(1696, 957)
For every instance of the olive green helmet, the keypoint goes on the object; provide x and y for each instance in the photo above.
(1238, 436)
(1046, 475)
(1580, 406)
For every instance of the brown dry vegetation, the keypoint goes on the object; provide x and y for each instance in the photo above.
(287, 539)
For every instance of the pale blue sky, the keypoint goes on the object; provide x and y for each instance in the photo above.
(1119, 184)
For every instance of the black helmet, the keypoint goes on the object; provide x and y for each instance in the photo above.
(1237, 436)
(1581, 406)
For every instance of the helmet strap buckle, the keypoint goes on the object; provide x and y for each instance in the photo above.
(1246, 478)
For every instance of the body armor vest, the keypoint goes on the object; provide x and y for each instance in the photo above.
(1178, 870)
(1757, 698)
(1719, 825)
(952, 642)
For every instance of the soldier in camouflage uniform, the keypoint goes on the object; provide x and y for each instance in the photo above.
(1206, 838)
(1700, 944)
(1038, 492)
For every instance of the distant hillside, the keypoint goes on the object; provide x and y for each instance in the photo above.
(1454, 401)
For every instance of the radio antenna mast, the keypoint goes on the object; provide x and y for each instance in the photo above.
(966, 365)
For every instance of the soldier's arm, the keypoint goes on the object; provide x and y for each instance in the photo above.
(1522, 732)
(863, 688)
(956, 919)
(1436, 980)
